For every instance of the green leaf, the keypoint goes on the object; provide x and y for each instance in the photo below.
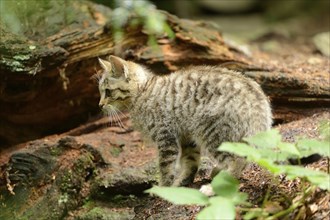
(289, 148)
(120, 17)
(312, 146)
(241, 199)
(273, 154)
(318, 178)
(266, 139)
(169, 31)
(324, 130)
(322, 181)
(220, 208)
(154, 23)
(180, 195)
(240, 149)
(254, 213)
(225, 185)
(270, 166)
(152, 41)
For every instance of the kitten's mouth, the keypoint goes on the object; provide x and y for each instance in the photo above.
(106, 108)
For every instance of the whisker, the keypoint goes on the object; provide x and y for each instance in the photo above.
(110, 113)
(115, 116)
(121, 124)
(121, 113)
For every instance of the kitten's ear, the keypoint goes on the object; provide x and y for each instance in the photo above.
(119, 66)
(106, 65)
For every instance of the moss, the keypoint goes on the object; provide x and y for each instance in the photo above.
(88, 204)
(21, 57)
(101, 213)
(71, 180)
(95, 213)
(65, 181)
(123, 199)
(70, 189)
(84, 165)
(55, 151)
(11, 205)
(17, 65)
(115, 151)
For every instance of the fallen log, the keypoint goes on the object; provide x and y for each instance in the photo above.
(47, 86)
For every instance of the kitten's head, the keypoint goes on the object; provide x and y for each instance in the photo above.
(120, 81)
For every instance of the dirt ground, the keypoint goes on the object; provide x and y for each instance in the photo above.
(254, 181)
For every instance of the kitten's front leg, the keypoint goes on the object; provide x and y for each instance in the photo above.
(168, 152)
(167, 169)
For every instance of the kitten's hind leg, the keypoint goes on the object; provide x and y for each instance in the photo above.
(224, 160)
(230, 163)
(227, 162)
(189, 162)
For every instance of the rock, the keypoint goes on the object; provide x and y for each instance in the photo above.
(65, 170)
(322, 43)
(132, 180)
(47, 179)
(271, 46)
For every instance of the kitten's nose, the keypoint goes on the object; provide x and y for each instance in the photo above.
(101, 103)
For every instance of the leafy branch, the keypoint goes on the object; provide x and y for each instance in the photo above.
(139, 13)
(267, 150)
(221, 206)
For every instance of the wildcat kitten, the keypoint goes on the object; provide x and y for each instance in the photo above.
(187, 113)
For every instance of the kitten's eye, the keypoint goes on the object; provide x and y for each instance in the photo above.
(107, 92)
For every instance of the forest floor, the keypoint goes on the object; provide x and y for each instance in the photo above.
(125, 166)
(125, 196)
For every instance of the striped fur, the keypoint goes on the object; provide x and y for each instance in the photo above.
(188, 113)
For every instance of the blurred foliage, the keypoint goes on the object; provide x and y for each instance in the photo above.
(33, 18)
(220, 206)
(266, 149)
(276, 10)
(139, 13)
(324, 130)
(30, 17)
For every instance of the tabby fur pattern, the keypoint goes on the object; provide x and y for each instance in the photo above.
(188, 113)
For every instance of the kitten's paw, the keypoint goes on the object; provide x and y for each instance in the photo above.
(207, 190)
